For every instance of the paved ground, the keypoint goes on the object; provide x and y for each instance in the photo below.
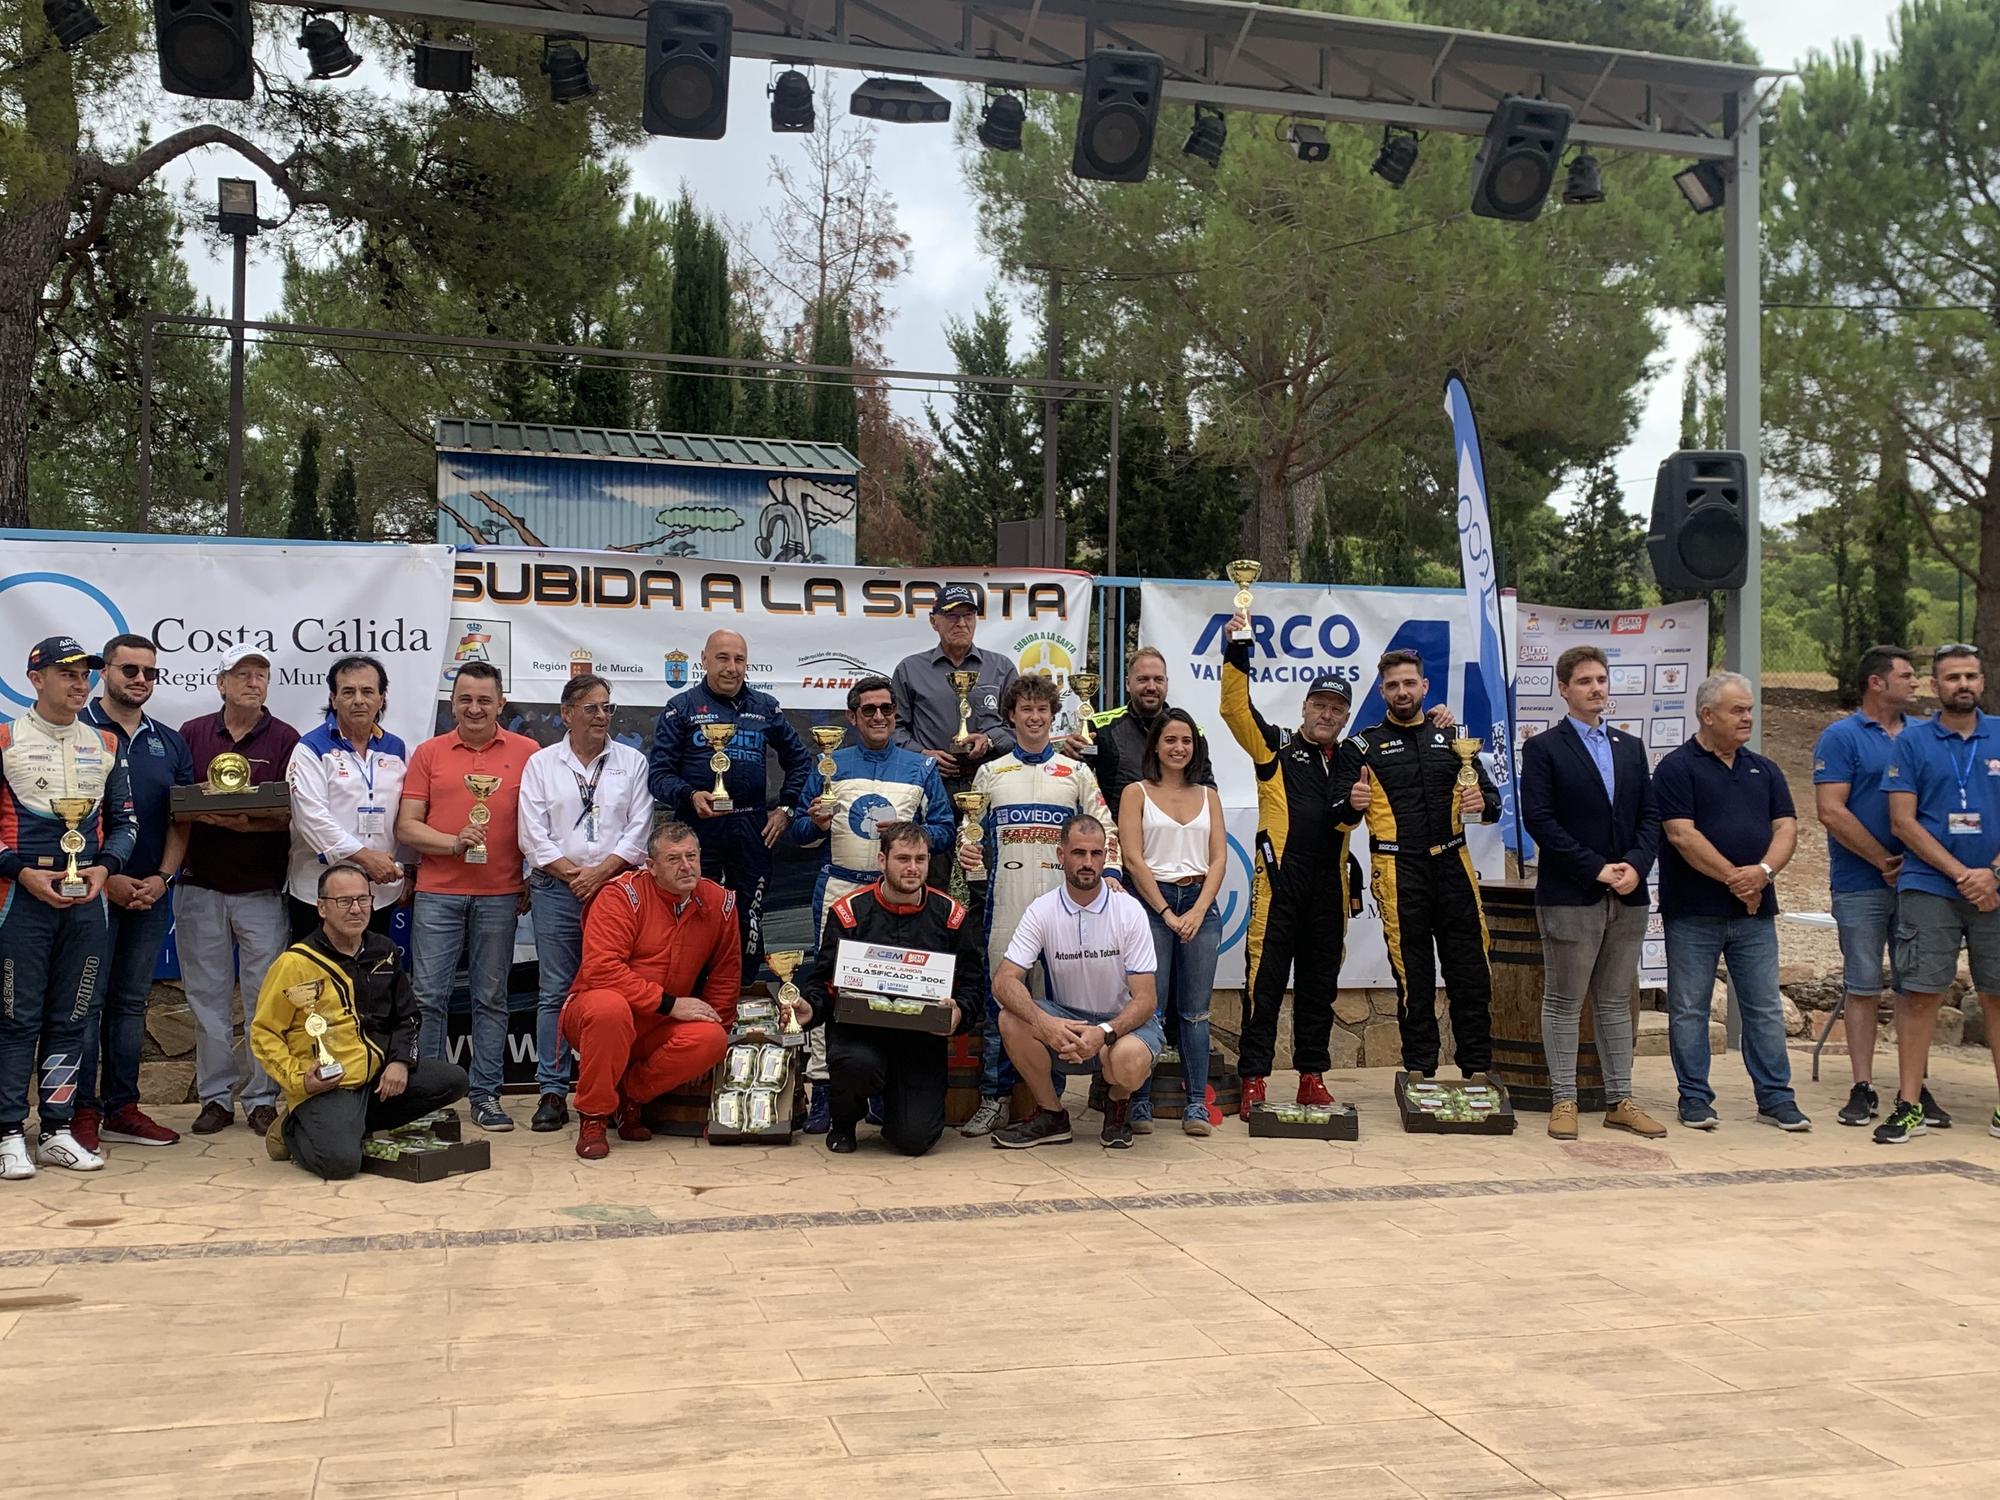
(1746, 1314)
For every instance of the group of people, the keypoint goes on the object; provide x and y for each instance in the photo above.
(1080, 914)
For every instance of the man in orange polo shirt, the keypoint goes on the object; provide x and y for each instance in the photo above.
(470, 888)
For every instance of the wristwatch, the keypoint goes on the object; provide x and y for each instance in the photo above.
(1770, 874)
(1110, 1032)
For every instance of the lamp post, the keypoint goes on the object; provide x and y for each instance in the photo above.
(236, 216)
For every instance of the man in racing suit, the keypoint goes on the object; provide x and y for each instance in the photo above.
(874, 783)
(656, 990)
(905, 1069)
(1401, 775)
(736, 844)
(54, 949)
(1030, 792)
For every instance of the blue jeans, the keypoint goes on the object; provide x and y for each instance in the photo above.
(1750, 945)
(558, 923)
(481, 929)
(1184, 982)
(113, 1042)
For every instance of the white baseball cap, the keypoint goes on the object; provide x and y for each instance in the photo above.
(235, 656)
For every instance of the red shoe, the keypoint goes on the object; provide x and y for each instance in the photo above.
(1312, 1090)
(1253, 1093)
(134, 1127)
(83, 1125)
(590, 1142)
(632, 1122)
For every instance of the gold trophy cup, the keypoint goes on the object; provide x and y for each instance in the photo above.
(72, 810)
(1084, 685)
(717, 736)
(828, 737)
(306, 996)
(1468, 752)
(784, 965)
(481, 787)
(228, 772)
(973, 805)
(1243, 572)
(965, 681)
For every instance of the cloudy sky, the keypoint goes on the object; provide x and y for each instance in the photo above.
(950, 275)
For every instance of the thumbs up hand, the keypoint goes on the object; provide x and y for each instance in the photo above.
(1364, 791)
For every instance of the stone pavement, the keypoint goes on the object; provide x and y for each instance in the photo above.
(1744, 1314)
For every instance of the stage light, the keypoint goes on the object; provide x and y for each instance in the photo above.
(1516, 165)
(791, 103)
(1000, 122)
(1705, 186)
(899, 101)
(444, 67)
(1585, 183)
(236, 205)
(1121, 106)
(568, 70)
(1209, 136)
(1398, 157)
(204, 47)
(1308, 142)
(72, 21)
(326, 49)
(687, 69)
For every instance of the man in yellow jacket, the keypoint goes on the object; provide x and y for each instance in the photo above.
(336, 1027)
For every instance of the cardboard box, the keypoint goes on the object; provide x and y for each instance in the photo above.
(430, 1163)
(854, 1010)
(1343, 1125)
(1499, 1120)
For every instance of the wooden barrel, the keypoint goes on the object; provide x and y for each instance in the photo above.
(961, 1080)
(1515, 958)
(684, 1111)
(1169, 1095)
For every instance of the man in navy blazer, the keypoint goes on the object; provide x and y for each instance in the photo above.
(1587, 798)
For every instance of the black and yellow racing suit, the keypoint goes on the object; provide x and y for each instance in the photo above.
(1302, 883)
(1423, 883)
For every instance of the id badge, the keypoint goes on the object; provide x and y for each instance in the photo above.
(373, 822)
(1962, 823)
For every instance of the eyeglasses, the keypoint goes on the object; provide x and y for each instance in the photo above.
(1959, 648)
(592, 710)
(134, 670)
(876, 711)
(347, 903)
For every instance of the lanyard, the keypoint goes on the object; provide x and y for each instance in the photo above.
(587, 790)
(365, 760)
(1964, 772)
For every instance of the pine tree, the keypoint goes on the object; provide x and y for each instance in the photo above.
(601, 392)
(989, 455)
(694, 398)
(753, 392)
(343, 503)
(303, 520)
(831, 416)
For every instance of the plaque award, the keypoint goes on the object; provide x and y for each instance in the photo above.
(228, 788)
(970, 834)
(784, 965)
(72, 810)
(717, 736)
(481, 787)
(1243, 572)
(965, 681)
(1084, 685)
(828, 737)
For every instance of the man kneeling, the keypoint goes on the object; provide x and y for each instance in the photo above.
(656, 991)
(342, 991)
(905, 1069)
(1100, 1010)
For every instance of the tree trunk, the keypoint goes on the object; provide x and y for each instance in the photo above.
(1270, 521)
(1986, 597)
(30, 241)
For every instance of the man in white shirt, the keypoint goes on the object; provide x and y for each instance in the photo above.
(585, 814)
(1100, 1012)
(346, 778)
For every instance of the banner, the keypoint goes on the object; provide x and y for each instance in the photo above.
(303, 604)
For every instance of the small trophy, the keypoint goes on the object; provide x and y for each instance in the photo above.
(970, 833)
(481, 787)
(1084, 685)
(306, 997)
(1243, 572)
(717, 736)
(1468, 752)
(965, 681)
(828, 737)
(784, 965)
(72, 810)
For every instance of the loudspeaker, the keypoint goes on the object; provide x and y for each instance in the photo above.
(204, 47)
(1517, 161)
(1699, 540)
(687, 69)
(1121, 104)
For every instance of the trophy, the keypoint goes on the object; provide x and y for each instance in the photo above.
(965, 681)
(306, 996)
(227, 773)
(791, 1033)
(1243, 572)
(228, 788)
(481, 788)
(1084, 684)
(828, 737)
(973, 805)
(72, 810)
(717, 736)
(1468, 752)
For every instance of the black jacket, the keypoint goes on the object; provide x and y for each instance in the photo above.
(1415, 807)
(384, 1002)
(1578, 829)
(939, 925)
(1121, 749)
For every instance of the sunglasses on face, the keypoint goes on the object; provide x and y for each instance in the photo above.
(132, 671)
(876, 711)
(592, 710)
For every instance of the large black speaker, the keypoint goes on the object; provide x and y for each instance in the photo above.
(1517, 161)
(204, 47)
(1121, 105)
(687, 69)
(1699, 538)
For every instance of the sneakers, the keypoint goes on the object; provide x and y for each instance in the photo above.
(1139, 1115)
(1905, 1120)
(275, 1145)
(132, 1126)
(261, 1118)
(632, 1124)
(1626, 1115)
(1861, 1106)
(839, 1138)
(819, 1115)
(989, 1117)
(1312, 1090)
(214, 1116)
(1934, 1115)
(1699, 1116)
(1786, 1116)
(590, 1142)
(1197, 1125)
(1045, 1127)
(486, 1114)
(1117, 1132)
(1253, 1093)
(551, 1114)
(59, 1148)
(1562, 1120)
(17, 1162)
(84, 1125)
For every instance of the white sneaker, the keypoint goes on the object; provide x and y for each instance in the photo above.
(17, 1162)
(64, 1150)
(989, 1117)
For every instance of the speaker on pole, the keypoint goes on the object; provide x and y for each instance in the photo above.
(1699, 540)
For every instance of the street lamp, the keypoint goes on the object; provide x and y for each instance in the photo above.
(236, 216)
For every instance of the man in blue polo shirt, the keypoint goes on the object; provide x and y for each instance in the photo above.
(1730, 827)
(1944, 803)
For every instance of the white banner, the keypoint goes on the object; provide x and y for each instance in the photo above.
(1302, 630)
(542, 616)
(304, 605)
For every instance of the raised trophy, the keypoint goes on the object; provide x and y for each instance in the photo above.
(964, 680)
(481, 786)
(228, 788)
(1084, 685)
(1468, 751)
(784, 965)
(828, 737)
(72, 810)
(717, 736)
(306, 997)
(1243, 572)
(973, 805)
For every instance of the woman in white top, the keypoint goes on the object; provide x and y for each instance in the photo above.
(1176, 850)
